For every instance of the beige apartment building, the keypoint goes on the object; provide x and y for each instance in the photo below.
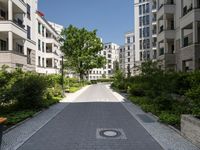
(178, 45)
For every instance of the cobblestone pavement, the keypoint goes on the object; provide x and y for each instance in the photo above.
(77, 126)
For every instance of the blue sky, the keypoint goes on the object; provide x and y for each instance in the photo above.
(112, 18)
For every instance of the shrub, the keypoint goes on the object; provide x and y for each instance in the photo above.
(163, 102)
(193, 97)
(137, 89)
(29, 91)
(169, 118)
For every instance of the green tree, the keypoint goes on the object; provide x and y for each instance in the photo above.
(81, 48)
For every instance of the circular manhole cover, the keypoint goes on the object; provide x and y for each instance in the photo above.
(110, 133)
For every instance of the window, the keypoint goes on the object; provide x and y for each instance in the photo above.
(3, 45)
(144, 9)
(140, 33)
(147, 20)
(28, 56)
(147, 8)
(39, 61)
(42, 62)
(140, 21)
(42, 30)
(39, 45)
(128, 40)
(147, 32)
(140, 9)
(128, 53)
(39, 27)
(140, 56)
(144, 32)
(148, 43)
(3, 14)
(43, 46)
(144, 20)
(28, 11)
(29, 32)
(148, 55)
(140, 44)
(154, 54)
(128, 47)
(128, 59)
(20, 48)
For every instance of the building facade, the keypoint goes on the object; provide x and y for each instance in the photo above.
(179, 34)
(122, 58)
(27, 40)
(17, 34)
(111, 53)
(49, 55)
(129, 53)
(145, 31)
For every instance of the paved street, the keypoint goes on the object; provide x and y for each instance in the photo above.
(78, 126)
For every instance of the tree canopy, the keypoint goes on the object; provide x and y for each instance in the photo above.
(81, 48)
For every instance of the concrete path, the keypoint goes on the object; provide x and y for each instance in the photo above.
(79, 122)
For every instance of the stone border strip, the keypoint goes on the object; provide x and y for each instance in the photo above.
(164, 135)
(21, 133)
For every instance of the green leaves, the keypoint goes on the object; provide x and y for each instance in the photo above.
(81, 48)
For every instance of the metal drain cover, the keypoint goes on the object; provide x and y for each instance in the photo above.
(110, 134)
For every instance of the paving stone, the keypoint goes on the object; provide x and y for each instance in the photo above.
(75, 127)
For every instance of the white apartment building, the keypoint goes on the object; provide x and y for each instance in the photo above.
(111, 52)
(27, 40)
(57, 27)
(17, 33)
(179, 34)
(145, 31)
(122, 58)
(49, 55)
(129, 53)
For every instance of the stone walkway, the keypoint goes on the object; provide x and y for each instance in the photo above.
(78, 123)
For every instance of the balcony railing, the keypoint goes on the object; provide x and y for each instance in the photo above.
(168, 2)
(186, 10)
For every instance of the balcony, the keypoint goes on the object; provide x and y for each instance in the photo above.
(191, 16)
(10, 26)
(166, 34)
(191, 52)
(13, 59)
(166, 8)
(170, 59)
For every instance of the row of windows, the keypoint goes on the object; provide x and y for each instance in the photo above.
(144, 8)
(144, 32)
(129, 39)
(144, 55)
(145, 44)
(144, 20)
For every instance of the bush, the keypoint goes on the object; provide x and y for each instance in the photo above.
(169, 118)
(136, 89)
(193, 97)
(29, 91)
